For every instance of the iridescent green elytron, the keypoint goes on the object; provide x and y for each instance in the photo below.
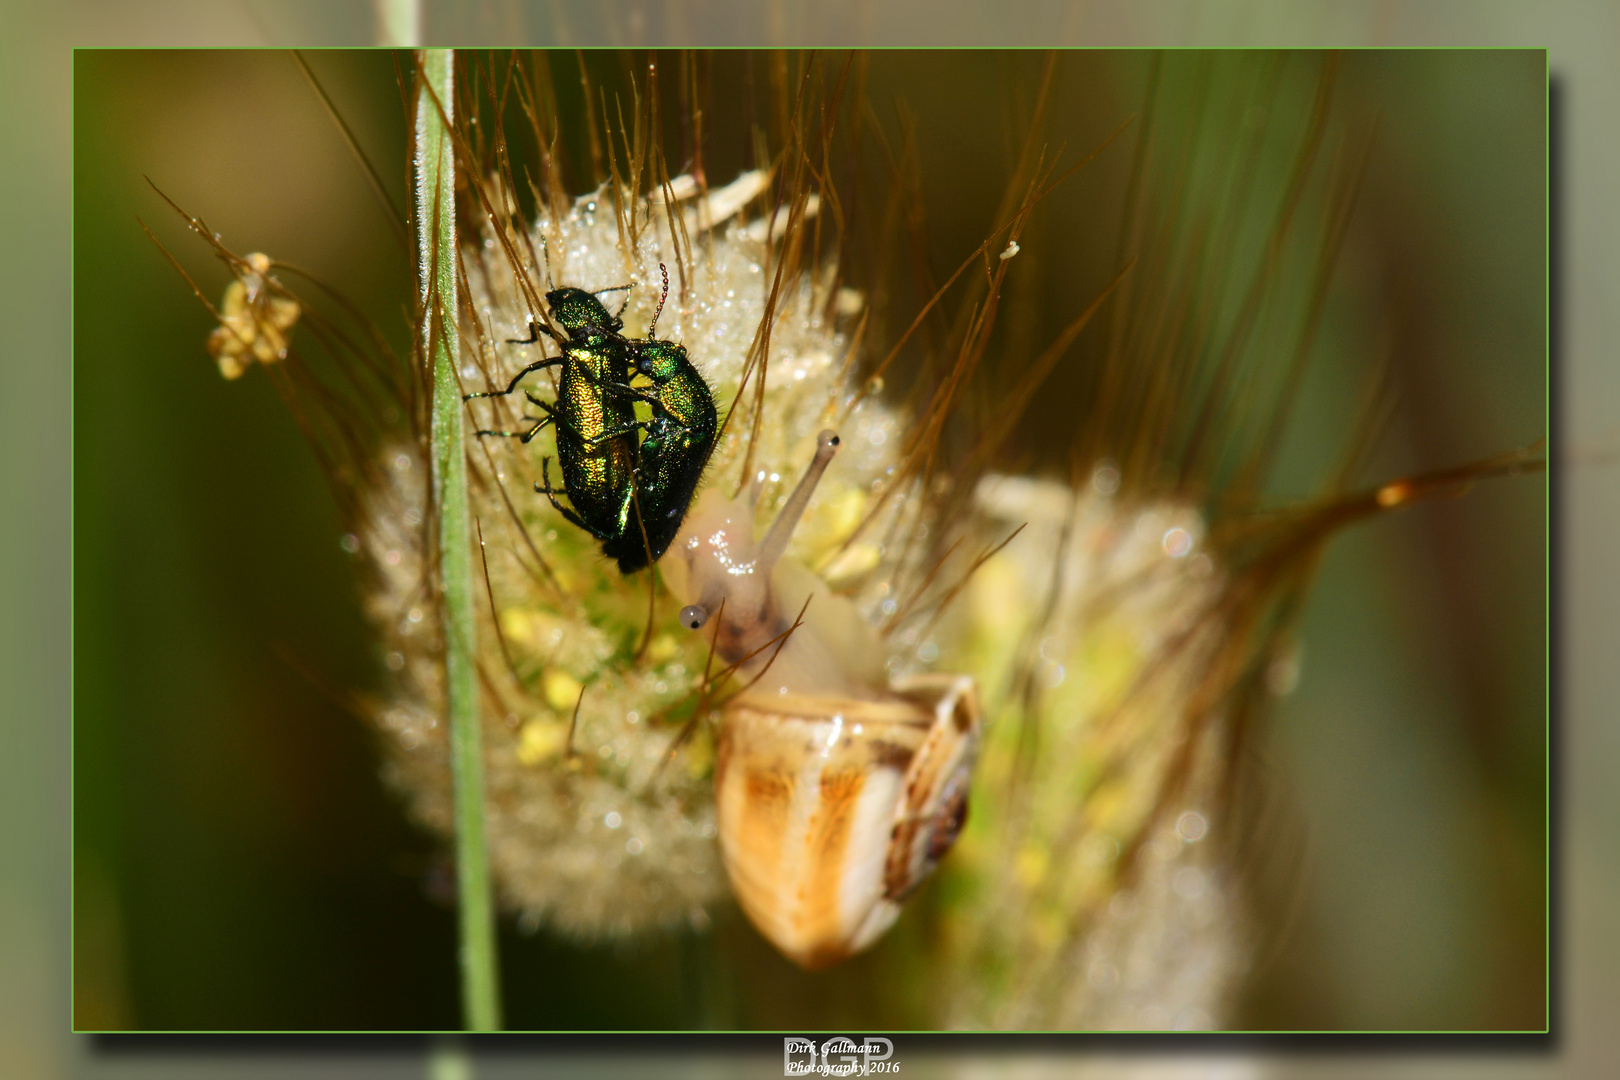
(674, 453)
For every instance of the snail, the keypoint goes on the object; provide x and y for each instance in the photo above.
(837, 791)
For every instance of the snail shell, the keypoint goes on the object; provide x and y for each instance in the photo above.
(833, 810)
(835, 794)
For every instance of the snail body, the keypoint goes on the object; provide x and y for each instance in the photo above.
(836, 791)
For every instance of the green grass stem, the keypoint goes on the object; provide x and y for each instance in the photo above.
(434, 169)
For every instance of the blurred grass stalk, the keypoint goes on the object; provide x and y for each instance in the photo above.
(399, 22)
(434, 170)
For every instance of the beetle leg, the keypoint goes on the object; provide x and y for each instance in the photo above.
(523, 435)
(551, 493)
(536, 328)
(544, 406)
(639, 425)
(551, 417)
(510, 387)
(635, 392)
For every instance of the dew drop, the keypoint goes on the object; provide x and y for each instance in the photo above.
(1105, 478)
(1188, 882)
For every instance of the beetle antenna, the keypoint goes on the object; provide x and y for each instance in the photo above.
(618, 288)
(664, 273)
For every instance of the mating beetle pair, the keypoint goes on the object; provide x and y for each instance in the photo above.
(632, 498)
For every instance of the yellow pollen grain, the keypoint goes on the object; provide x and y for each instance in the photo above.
(517, 625)
(560, 689)
(699, 754)
(852, 563)
(826, 527)
(991, 590)
(662, 648)
(541, 741)
(1031, 865)
(841, 514)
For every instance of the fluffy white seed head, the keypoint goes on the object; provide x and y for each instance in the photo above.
(600, 823)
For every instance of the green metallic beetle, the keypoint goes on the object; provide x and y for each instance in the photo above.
(675, 452)
(594, 418)
(607, 477)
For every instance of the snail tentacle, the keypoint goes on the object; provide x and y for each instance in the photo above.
(775, 542)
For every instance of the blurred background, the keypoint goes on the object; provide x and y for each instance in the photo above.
(228, 817)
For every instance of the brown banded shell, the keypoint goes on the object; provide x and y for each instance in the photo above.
(832, 810)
